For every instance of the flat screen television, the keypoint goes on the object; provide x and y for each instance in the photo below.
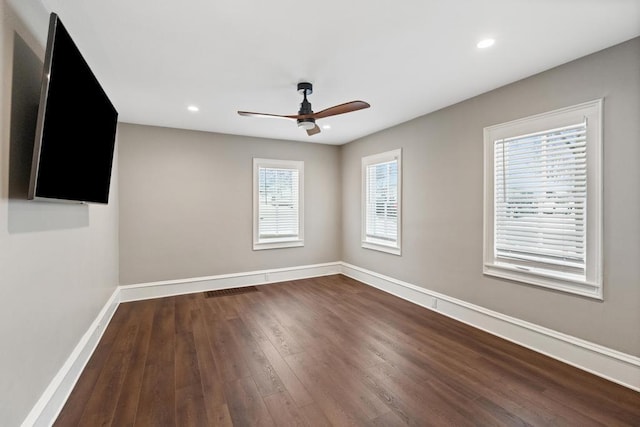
(75, 129)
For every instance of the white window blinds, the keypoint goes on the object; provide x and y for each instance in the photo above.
(278, 202)
(382, 201)
(540, 198)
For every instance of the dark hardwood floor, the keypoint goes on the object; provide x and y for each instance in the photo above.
(320, 352)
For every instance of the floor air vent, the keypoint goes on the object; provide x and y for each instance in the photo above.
(231, 291)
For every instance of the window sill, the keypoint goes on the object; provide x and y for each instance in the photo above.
(258, 246)
(382, 248)
(547, 279)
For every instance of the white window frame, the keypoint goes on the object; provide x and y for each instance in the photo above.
(275, 243)
(394, 248)
(591, 284)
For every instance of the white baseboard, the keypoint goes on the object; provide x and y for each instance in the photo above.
(169, 288)
(613, 365)
(47, 408)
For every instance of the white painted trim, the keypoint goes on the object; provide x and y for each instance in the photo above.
(613, 365)
(52, 400)
(607, 363)
(142, 291)
(531, 272)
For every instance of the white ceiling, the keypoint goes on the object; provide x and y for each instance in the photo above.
(406, 58)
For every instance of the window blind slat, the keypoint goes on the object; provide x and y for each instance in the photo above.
(557, 262)
(553, 148)
(550, 223)
(566, 129)
(540, 250)
(534, 238)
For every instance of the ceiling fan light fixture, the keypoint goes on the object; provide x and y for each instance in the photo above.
(306, 124)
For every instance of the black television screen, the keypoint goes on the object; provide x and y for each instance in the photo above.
(75, 129)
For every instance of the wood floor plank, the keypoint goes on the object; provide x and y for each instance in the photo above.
(341, 404)
(229, 361)
(82, 392)
(414, 402)
(314, 415)
(210, 378)
(390, 419)
(292, 384)
(320, 352)
(291, 314)
(183, 306)
(190, 407)
(219, 416)
(100, 411)
(157, 396)
(265, 376)
(284, 411)
(127, 405)
(417, 359)
(189, 400)
(186, 358)
(227, 306)
(246, 405)
(350, 377)
(325, 326)
(335, 409)
(277, 333)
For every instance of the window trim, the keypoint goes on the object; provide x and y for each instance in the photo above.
(387, 156)
(286, 242)
(592, 286)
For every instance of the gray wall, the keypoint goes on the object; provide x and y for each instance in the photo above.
(443, 192)
(58, 262)
(186, 204)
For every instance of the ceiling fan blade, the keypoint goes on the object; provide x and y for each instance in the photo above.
(347, 107)
(267, 116)
(313, 131)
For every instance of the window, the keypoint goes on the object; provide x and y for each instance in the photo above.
(381, 201)
(543, 200)
(278, 203)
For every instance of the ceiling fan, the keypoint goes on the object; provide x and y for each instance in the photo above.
(306, 118)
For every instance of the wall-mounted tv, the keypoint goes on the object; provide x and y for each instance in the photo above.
(75, 129)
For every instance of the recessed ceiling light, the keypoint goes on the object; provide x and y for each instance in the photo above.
(193, 108)
(483, 44)
(326, 126)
